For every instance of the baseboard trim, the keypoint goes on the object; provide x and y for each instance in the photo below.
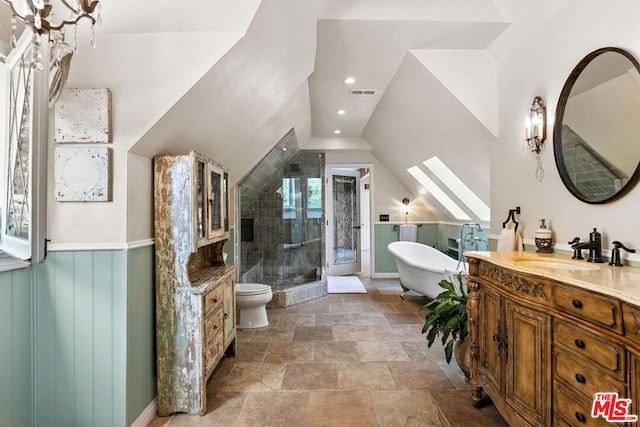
(147, 415)
(62, 247)
(385, 276)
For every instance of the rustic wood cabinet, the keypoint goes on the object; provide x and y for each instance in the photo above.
(195, 289)
(544, 341)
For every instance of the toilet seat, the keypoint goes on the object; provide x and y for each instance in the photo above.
(250, 289)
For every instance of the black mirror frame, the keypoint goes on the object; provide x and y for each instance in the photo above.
(557, 128)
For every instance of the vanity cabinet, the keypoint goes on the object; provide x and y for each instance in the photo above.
(195, 289)
(542, 347)
(516, 342)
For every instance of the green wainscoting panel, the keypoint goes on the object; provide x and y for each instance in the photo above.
(77, 339)
(384, 261)
(141, 330)
(427, 234)
(81, 338)
(16, 348)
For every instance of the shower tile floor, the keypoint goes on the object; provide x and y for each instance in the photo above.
(342, 360)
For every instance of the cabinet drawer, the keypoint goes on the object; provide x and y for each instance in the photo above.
(598, 309)
(212, 299)
(606, 355)
(212, 353)
(213, 325)
(582, 378)
(574, 409)
(631, 316)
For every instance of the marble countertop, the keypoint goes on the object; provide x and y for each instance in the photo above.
(618, 282)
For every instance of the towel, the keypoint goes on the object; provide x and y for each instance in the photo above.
(408, 232)
(509, 240)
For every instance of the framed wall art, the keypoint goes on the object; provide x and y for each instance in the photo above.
(82, 174)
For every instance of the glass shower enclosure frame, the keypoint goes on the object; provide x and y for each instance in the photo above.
(280, 208)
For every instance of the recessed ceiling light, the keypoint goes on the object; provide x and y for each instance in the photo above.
(349, 80)
(337, 131)
(341, 112)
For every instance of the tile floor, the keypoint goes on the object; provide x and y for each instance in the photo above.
(343, 360)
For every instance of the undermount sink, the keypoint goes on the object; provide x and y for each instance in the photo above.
(554, 264)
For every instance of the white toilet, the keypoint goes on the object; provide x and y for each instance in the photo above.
(251, 299)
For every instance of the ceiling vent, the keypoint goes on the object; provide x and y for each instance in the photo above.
(367, 92)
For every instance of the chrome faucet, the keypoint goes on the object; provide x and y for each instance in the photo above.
(594, 245)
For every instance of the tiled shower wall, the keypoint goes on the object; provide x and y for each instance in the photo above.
(283, 252)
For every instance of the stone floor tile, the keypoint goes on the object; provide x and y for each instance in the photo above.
(225, 408)
(245, 335)
(315, 307)
(368, 319)
(251, 351)
(372, 351)
(283, 352)
(319, 333)
(346, 307)
(365, 375)
(302, 319)
(270, 334)
(406, 408)
(378, 307)
(398, 332)
(335, 351)
(254, 377)
(331, 319)
(349, 408)
(418, 350)
(403, 318)
(354, 333)
(285, 408)
(420, 376)
(356, 298)
(408, 307)
(310, 376)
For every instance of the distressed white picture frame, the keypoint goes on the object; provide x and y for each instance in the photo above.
(82, 174)
(83, 116)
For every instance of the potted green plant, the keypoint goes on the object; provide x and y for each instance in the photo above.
(447, 318)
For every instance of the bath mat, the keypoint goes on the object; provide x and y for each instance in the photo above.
(345, 285)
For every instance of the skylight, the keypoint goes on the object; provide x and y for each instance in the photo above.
(462, 192)
(433, 188)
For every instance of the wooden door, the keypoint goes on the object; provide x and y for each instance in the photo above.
(528, 362)
(490, 336)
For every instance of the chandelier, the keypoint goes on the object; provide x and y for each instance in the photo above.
(38, 15)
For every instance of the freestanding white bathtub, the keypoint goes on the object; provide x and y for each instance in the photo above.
(422, 267)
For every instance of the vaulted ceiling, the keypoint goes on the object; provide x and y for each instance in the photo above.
(229, 79)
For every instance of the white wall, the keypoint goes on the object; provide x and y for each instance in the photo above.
(540, 66)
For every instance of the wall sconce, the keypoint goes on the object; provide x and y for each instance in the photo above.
(405, 202)
(535, 125)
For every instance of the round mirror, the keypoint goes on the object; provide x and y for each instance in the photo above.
(597, 127)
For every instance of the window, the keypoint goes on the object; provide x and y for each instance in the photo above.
(23, 120)
(290, 189)
(314, 197)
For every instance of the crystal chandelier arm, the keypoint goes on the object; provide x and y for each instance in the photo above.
(74, 21)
